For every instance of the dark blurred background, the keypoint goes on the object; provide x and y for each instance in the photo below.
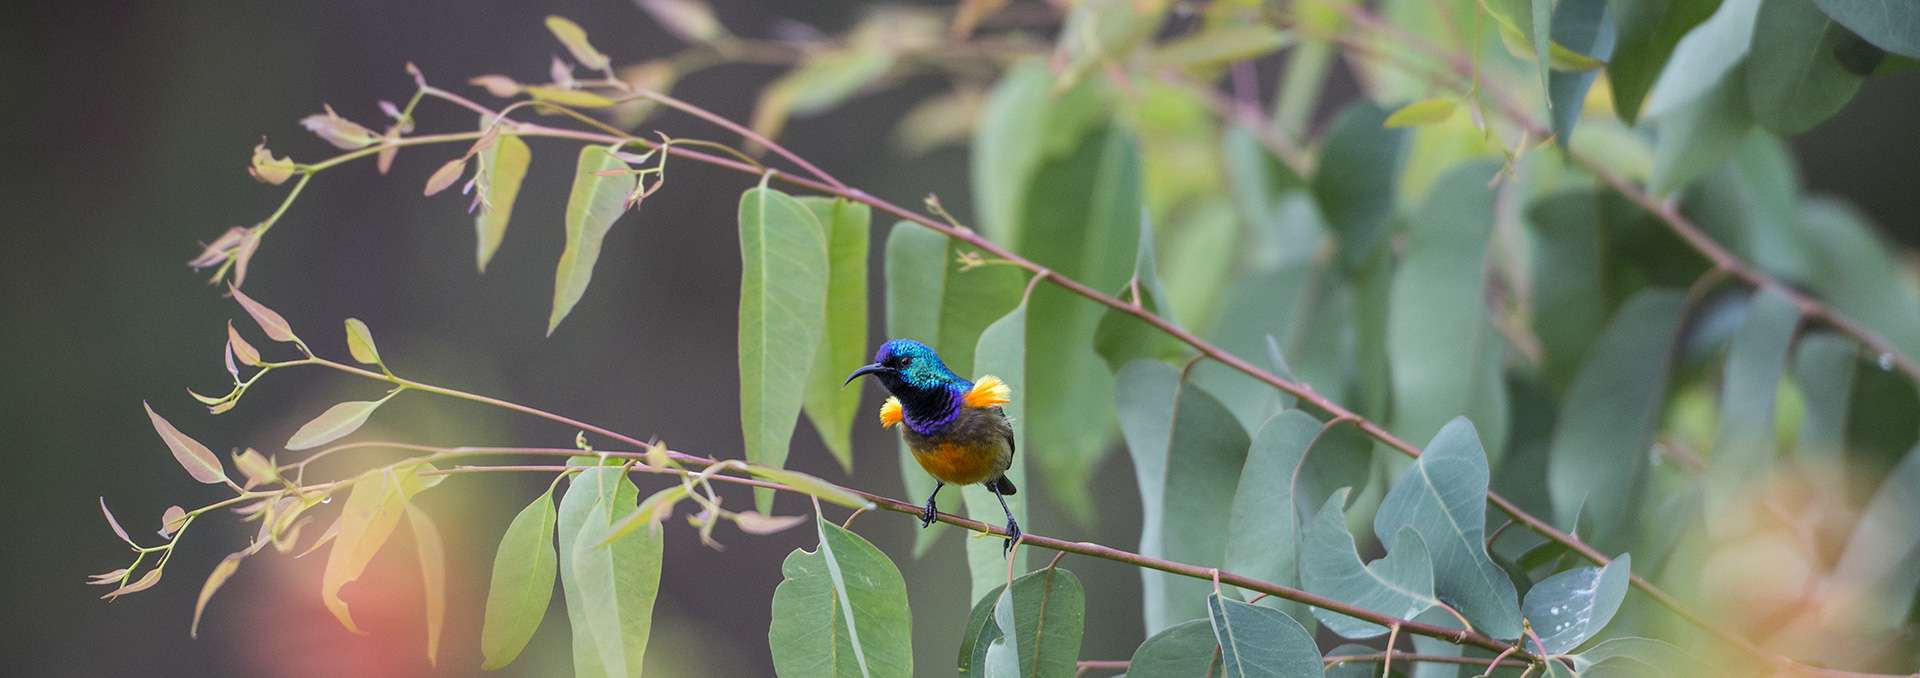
(126, 133)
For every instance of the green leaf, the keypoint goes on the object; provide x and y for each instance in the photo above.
(595, 203)
(1003, 353)
(1570, 298)
(822, 81)
(1585, 28)
(1003, 654)
(617, 582)
(1568, 608)
(1047, 611)
(1855, 271)
(1257, 641)
(335, 423)
(1423, 112)
(1648, 31)
(1876, 574)
(1823, 368)
(574, 38)
(1443, 497)
(193, 456)
(1445, 353)
(522, 584)
(372, 511)
(933, 298)
(841, 611)
(590, 489)
(1892, 26)
(360, 342)
(1008, 146)
(1083, 230)
(1219, 45)
(433, 575)
(783, 311)
(1184, 496)
(1359, 168)
(503, 166)
(1399, 584)
(829, 404)
(1797, 81)
(1599, 451)
(1633, 656)
(1700, 135)
(1121, 337)
(1183, 650)
(568, 97)
(1744, 450)
(1706, 58)
(1292, 465)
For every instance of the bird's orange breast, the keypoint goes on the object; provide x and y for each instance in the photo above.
(959, 463)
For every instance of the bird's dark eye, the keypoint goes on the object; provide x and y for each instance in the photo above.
(902, 361)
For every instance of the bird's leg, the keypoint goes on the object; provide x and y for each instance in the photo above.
(927, 516)
(1013, 526)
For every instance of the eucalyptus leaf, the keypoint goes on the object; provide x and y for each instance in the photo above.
(829, 404)
(1705, 59)
(618, 582)
(1257, 642)
(1359, 162)
(1183, 650)
(1293, 463)
(433, 575)
(1634, 656)
(1586, 28)
(593, 206)
(1889, 25)
(1122, 338)
(335, 423)
(503, 167)
(1797, 81)
(1700, 135)
(783, 312)
(523, 573)
(193, 456)
(1648, 31)
(1397, 585)
(1443, 497)
(1571, 607)
(372, 511)
(1823, 369)
(1047, 611)
(841, 611)
(360, 342)
(1744, 451)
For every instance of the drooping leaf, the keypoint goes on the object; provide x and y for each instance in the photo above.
(360, 342)
(1003, 653)
(1697, 136)
(841, 611)
(1439, 337)
(617, 579)
(831, 406)
(1002, 352)
(1892, 26)
(445, 176)
(522, 585)
(433, 576)
(1187, 452)
(1704, 59)
(1797, 80)
(1359, 163)
(1568, 608)
(503, 167)
(590, 489)
(1397, 585)
(1121, 338)
(1585, 27)
(1823, 368)
(1633, 656)
(981, 631)
(594, 204)
(344, 134)
(242, 349)
(271, 323)
(373, 509)
(1570, 302)
(1048, 611)
(114, 523)
(1256, 642)
(1876, 572)
(1442, 496)
(783, 311)
(1183, 650)
(574, 38)
(1744, 449)
(333, 424)
(222, 571)
(1084, 230)
(1599, 451)
(753, 522)
(193, 456)
(1648, 31)
(1292, 465)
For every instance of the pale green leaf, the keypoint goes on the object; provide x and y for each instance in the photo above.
(1219, 45)
(371, 512)
(588, 490)
(1359, 166)
(193, 456)
(1744, 451)
(1183, 650)
(1823, 368)
(333, 424)
(1585, 28)
(1699, 135)
(1568, 608)
(1257, 642)
(1891, 25)
(1443, 497)
(524, 567)
(1047, 610)
(360, 342)
(841, 611)
(810, 485)
(1423, 112)
(783, 312)
(1397, 585)
(594, 204)
(1633, 656)
(1598, 457)
(574, 38)
(1292, 466)
(617, 581)
(433, 576)
(1705, 58)
(1002, 353)
(218, 577)
(567, 97)
(819, 83)
(981, 631)
(503, 166)
(830, 405)
(1570, 300)
(1875, 572)
(1121, 338)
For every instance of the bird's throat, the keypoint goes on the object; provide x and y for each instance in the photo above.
(928, 411)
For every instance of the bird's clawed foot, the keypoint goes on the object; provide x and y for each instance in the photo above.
(928, 514)
(1013, 535)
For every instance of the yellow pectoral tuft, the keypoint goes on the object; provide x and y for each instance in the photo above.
(989, 391)
(890, 413)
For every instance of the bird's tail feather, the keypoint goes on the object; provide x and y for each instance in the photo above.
(1002, 485)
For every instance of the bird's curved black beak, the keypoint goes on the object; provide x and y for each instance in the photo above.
(865, 370)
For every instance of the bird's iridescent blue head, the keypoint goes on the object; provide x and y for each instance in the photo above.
(929, 393)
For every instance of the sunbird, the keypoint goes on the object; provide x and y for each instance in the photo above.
(954, 427)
